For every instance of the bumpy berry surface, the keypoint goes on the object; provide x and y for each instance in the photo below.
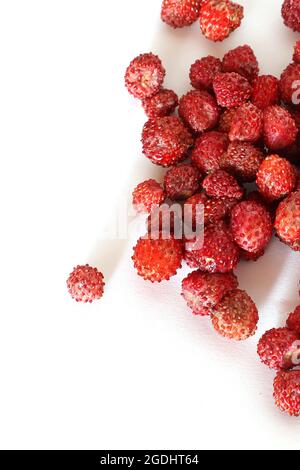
(242, 160)
(180, 13)
(218, 18)
(236, 316)
(199, 110)
(251, 226)
(287, 391)
(276, 178)
(288, 80)
(293, 321)
(231, 89)
(202, 291)
(296, 55)
(247, 124)
(241, 60)
(146, 195)
(275, 348)
(265, 91)
(163, 219)
(287, 223)
(252, 256)
(208, 150)
(280, 129)
(166, 140)
(214, 209)
(161, 104)
(85, 284)
(291, 14)
(182, 181)
(203, 72)
(157, 260)
(226, 120)
(144, 76)
(220, 184)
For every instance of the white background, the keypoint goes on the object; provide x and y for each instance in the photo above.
(135, 370)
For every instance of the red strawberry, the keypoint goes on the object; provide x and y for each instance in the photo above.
(291, 14)
(161, 104)
(287, 223)
(199, 110)
(265, 91)
(289, 83)
(208, 150)
(276, 348)
(276, 178)
(144, 76)
(219, 18)
(85, 284)
(247, 123)
(180, 13)
(242, 160)
(203, 72)
(221, 184)
(241, 60)
(280, 129)
(231, 89)
(296, 55)
(182, 181)
(226, 119)
(287, 391)
(146, 195)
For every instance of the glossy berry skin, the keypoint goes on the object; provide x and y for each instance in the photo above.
(144, 76)
(265, 91)
(287, 391)
(208, 150)
(280, 129)
(241, 60)
(203, 72)
(161, 104)
(251, 226)
(288, 84)
(291, 14)
(252, 256)
(219, 18)
(157, 260)
(181, 182)
(276, 178)
(180, 13)
(199, 110)
(214, 209)
(236, 316)
(85, 284)
(296, 55)
(231, 89)
(166, 140)
(220, 184)
(146, 195)
(287, 222)
(293, 321)
(226, 119)
(275, 348)
(242, 160)
(247, 124)
(219, 253)
(202, 291)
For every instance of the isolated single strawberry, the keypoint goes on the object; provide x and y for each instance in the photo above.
(144, 76)
(180, 13)
(219, 18)
(85, 284)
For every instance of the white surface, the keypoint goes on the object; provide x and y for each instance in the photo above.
(135, 370)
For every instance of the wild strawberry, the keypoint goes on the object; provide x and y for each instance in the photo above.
(180, 13)
(181, 181)
(280, 129)
(241, 60)
(287, 223)
(146, 195)
(289, 83)
(247, 124)
(291, 14)
(251, 226)
(251, 256)
(161, 104)
(166, 140)
(231, 89)
(226, 120)
(144, 76)
(218, 254)
(199, 110)
(242, 160)
(203, 72)
(220, 184)
(236, 316)
(265, 91)
(202, 291)
(276, 348)
(275, 178)
(287, 391)
(214, 209)
(85, 284)
(219, 18)
(157, 260)
(208, 150)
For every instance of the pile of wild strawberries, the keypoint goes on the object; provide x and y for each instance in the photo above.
(233, 128)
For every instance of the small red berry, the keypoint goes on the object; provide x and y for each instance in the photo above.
(236, 316)
(242, 160)
(276, 347)
(199, 110)
(181, 181)
(265, 91)
(287, 391)
(208, 150)
(280, 129)
(241, 60)
(219, 18)
(203, 72)
(296, 55)
(276, 178)
(291, 14)
(289, 84)
(166, 140)
(226, 120)
(220, 184)
(157, 260)
(161, 104)
(144, 76)
(231, 89)
(293, 321)
(247, 123)
(202, 291)
(214, 209)
(146, 195)
(251, 256)
(180, 13)
(287, 223)
(85, 284)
